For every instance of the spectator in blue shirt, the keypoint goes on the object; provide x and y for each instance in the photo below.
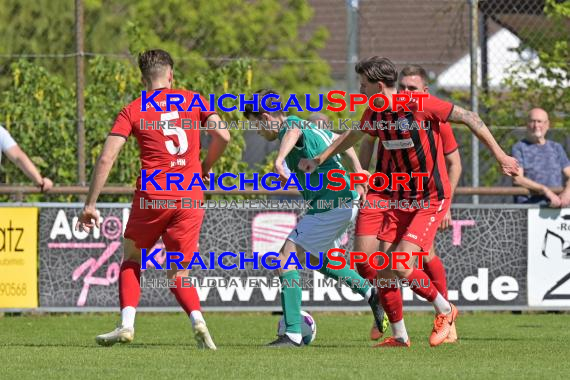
(543, 163)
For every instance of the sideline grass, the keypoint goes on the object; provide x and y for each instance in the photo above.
(493, 345)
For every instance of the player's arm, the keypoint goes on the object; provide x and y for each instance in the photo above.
(351, 154)
(111, 149)
(366, 151)
(288, 142)
(342, 143)
(454, 168)
(460, 115)
(218, 144)
(23, 162)
(356, 167)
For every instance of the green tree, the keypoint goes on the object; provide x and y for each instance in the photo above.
(218, 46)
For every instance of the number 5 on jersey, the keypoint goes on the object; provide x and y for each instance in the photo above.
(179, 132)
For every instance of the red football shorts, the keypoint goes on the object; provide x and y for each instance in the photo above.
(369, 219)
(418, 226)
(179, 228)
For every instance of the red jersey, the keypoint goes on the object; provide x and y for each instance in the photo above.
(414, 149)
(171, 150)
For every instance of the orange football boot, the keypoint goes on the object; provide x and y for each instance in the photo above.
(452, 337)
(442, 326)
(392, 342)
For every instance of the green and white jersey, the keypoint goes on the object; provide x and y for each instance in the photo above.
(312, 143)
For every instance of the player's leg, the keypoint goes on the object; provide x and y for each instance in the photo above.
(369, 244)
(129, 296)
(367, 227)
(291, 294)
(322, 231)
(181, 235)
(142, 231)
(420, 233)
(392, 227)
(435, 271)
(391, 299)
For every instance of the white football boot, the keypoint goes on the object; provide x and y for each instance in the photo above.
(119, 335)
(202, 336)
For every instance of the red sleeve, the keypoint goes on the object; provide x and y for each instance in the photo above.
(366, 124)
(123, 126)
(449, 142)
(437, 109)
(204, 115)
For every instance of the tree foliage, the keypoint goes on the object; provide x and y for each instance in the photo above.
(218, 46)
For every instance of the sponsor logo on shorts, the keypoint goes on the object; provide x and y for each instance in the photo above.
(410, 235)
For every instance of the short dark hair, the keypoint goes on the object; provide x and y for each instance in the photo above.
(153, 62)
(414, 70)
(248, 109)
(378, 69)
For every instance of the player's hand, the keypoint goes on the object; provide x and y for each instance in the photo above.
(280, 169)
(88, 218)
(46, 184)
(362, 191)
(308, 165)
(366, 173)
(206, 177)
(446, 222)
(554, 200)
(509, 166)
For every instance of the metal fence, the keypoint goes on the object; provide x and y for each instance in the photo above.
(467, 46)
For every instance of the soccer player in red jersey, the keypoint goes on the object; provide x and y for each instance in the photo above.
(410, 150)
(172, 150)
(412, 78)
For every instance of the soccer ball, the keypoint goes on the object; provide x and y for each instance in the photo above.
(308, 327)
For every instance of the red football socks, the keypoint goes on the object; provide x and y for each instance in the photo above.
(187, 297)
(129, 284)
(436, 272)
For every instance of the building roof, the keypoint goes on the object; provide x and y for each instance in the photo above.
(432, 33)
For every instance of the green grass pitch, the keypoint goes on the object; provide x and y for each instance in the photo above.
(492, 345)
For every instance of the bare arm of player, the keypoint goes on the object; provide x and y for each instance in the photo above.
(287, 144)
(23, 162)
(454, 168)
(351, 154)
(220, 140)
(527, 183)
(356, 167)
(342, 143)
(89, 216)
(366, 151)
(509, 165)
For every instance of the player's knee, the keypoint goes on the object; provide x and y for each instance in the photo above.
(135, 258)
(430, 256)
(131, 252)
(385, 273)
(175, 272)
(401, 271)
